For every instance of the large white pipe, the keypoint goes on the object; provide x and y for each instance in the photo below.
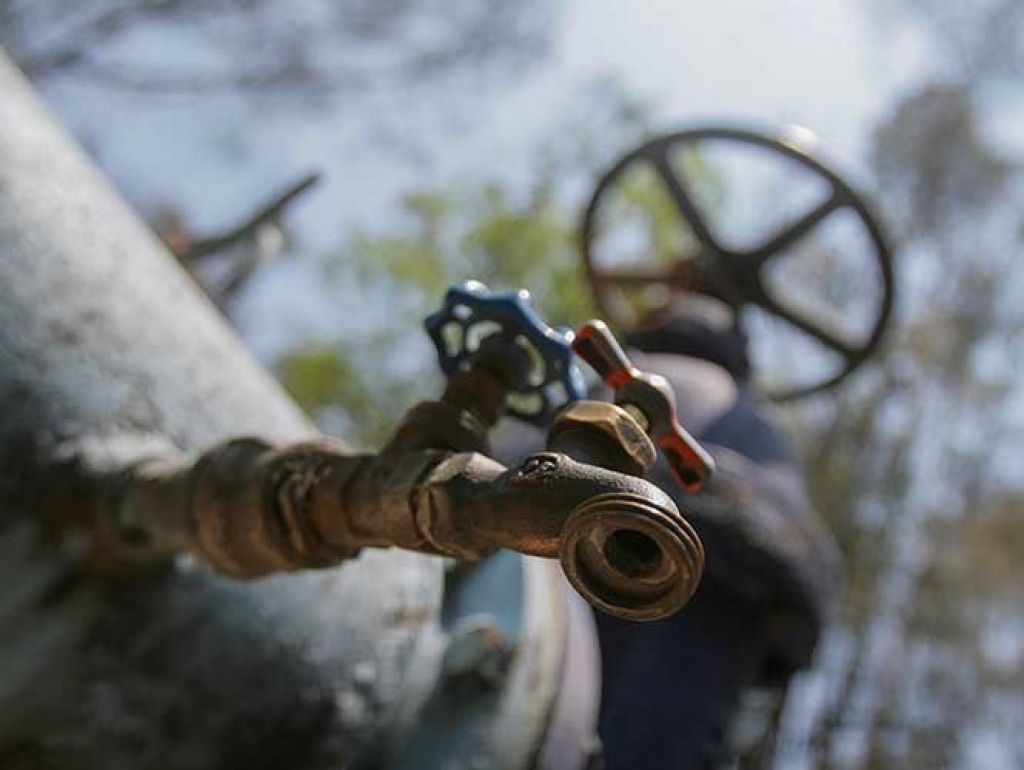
(102, 335)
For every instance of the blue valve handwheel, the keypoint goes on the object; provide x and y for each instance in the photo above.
(472, 313)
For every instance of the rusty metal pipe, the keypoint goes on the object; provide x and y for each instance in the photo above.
(621, 540)
(247, 508)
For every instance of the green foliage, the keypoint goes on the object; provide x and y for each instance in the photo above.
(484, 231)
(490, 231)
(327, 380)
(508, 235)
(318, 376)
(481, 231)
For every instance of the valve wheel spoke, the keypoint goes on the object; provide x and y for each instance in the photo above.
(681, 197)
(798, 321)
(679, 274)
(796, 230)
(632, 276)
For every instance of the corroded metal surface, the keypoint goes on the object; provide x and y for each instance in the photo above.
(614, 429)
(248, 509)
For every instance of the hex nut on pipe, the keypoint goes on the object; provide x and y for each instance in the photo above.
(635, 453)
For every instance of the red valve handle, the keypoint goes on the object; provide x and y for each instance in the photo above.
(651, 394)
(596, 345)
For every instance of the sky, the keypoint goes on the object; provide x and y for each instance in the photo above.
(831, 66)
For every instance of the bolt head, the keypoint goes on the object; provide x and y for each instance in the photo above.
(616, 423)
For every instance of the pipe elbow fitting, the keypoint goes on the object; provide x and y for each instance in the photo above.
(622, 542)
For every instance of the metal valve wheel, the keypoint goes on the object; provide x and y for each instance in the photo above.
(737, 275)
(474, 317)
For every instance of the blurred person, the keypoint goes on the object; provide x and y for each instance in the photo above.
(672, 688)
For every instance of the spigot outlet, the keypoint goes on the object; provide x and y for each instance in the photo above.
(621, 541)
(631, 557)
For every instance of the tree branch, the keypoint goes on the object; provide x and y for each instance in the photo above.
(269, 212)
